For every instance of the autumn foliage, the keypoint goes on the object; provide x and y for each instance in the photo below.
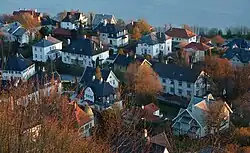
(141, 28)
(142, 79)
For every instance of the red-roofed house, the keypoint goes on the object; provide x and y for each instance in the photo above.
(195, 52)
(152, 112)
(85, 119)
(181, 35)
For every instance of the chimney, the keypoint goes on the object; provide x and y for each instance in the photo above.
(84, 36)
(43, 69)
(68, 41)
(145, 133)
(135, 56)
(93, 78)
(142, 106)
(46, 37)
(127, 55)
(101, 80)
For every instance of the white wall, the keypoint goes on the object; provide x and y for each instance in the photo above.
(112, 80)
(104, 55)
(68, 25)
(24, 75)
(236, 62)
(88, 95)
(24, 39)
(41, 53)
(193, 39)
(115, 42)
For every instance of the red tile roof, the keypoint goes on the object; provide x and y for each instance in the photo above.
(81, 117)
(52, 39)
(151, 107)
(204, 39)
(218, 40)
(197, 46)
(62, 32)
(180, 33)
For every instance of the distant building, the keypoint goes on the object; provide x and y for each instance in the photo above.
(84, 52)
(73, 20)
(192, 120)
(99, 18)
(154, 43)
(34, 13)
(238, 43)
(112, 35)
(181, 81)
(237, 56)
(17, 67)
(47, 48)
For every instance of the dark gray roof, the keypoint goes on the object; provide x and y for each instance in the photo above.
(83, 46)
(89, 72)
(13, 27)
(98, 18)
(153, 38)
(111, 29)
(72, 17)
(17, 63)
(176, 72)
(242, 54)
(101, 89)
(240, 43)
(43, 43)
(48, 21)
(19, 32)
(125, 60)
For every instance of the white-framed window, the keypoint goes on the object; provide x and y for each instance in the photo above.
(35, 55)
(180, 83)
(189, 85)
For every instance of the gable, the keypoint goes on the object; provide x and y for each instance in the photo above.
(89, 95)
(112, 75)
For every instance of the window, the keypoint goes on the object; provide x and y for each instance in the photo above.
(40, 49)
(171, 82)
(172, 90)
(197, 93)
(179, 91)
(110, 42)
(113, 82)
(188, 85)
(168, 48)
(35, 55)
(35, 49)
(164, 80)
(189, 93)
(41, 56)
(180, 83)
(164, 88)
(197, 85)
(65, 59)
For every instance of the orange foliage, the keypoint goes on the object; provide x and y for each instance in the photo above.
(136, 34)
(217, 68)
(232, 148)
(143, 79)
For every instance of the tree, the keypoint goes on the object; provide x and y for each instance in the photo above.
(241, 80)
(142, 80)
(215, 116)
(220, 32)
(229, 33)
(136, 33)
(98, 73)
(212, 32)
(44, 31)
(27, 20)
(120, 22)
(143, 26)
(120, 51)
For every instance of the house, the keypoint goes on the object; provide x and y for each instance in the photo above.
(154, 43)
(42, 84)
(151, 112)
(14, 31)
(99, 18)
(34, 13)
(121, 62)
(217, 41)
(73, 20)
(192, 120)
(84, 52)
(111, 34)
(62, 33)
(46, 48)
(181, 81)
(49, 22)
(17, 67)
(99, 94)
(85, 120)
(160, 143)
(107, 75)
(238, 43)
(181, 35)
(237, 56)
(196, 52)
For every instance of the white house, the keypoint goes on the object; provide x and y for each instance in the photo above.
(47, 48)
(192, 120)
(181, 35)
(14, 31)
(237, 56)
(73, 20)
(196, 52)
(154, 43)
(181, 81)
(17, 67)
(84, 52)
(107, 75)
(113, 35)
(99, 18)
